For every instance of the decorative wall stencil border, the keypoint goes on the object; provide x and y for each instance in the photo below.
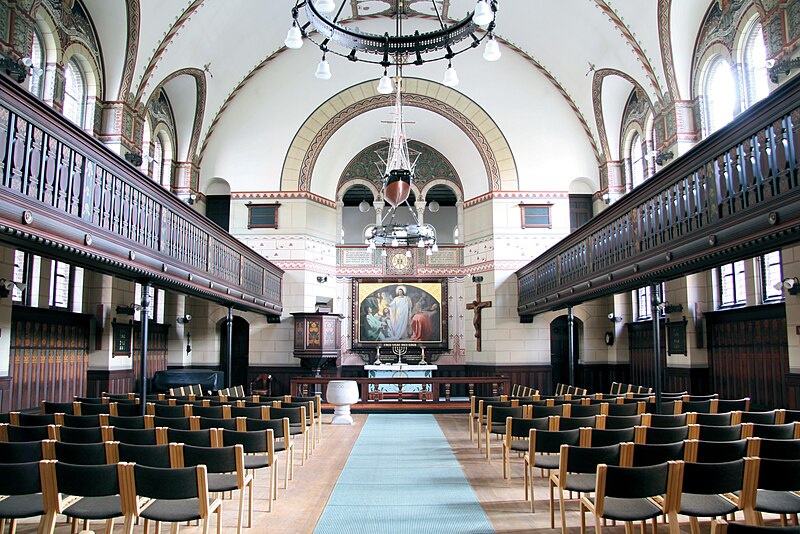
(665, 38)
(522, 195)
(424, 94)
(298, 195)
(597, 103)
(634, 44)
(162, 47)
(134, 12)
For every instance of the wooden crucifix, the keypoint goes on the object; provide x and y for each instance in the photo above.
(476, 306)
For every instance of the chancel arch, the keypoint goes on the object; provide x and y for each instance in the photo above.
(476, 124)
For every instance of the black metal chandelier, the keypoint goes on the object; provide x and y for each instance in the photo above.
(399, 49)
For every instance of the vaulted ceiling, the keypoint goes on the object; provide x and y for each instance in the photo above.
(230, 55)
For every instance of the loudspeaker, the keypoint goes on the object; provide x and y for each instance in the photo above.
(272, 319)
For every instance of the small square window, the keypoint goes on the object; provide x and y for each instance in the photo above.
(262, 215)
(536, 216)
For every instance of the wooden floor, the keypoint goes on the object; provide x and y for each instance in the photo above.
(298, 508)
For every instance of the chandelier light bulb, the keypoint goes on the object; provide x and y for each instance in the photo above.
(363, 206)
(491, 52)
(420, 243)
(294, 39)
(323, 70)
(408, 253)
(395, 242)
(435, 247)
(383, 253)
(483, 13)
(372, 245)
(450, 76)
(428, 252)
(325, 6)
(385, 85)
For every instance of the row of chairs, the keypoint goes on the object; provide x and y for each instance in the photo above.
(698, 489)
(566, 389)
(619, 387)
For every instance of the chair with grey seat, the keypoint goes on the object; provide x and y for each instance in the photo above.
(282, 440)
(496, 422)
(21, 485)
(259, 453)
(544, 448)
(80, 492)
(634, 494)
(168, 495)
(711, 489)
(516, 437)
(777, 486)
(576, 473)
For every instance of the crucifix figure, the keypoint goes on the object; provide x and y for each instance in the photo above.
(476, 306)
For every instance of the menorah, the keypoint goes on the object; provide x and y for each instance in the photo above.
(399, 351)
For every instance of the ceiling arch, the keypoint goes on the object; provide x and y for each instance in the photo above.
(463, 112)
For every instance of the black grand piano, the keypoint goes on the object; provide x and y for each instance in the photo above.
(209, 379)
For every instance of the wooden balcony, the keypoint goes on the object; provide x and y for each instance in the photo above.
(733, 196)
(64, 195)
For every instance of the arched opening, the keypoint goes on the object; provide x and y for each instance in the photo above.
(240, 355)
(559, 349)
(357, 214)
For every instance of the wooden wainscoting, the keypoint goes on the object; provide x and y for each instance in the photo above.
(5, 393)
(597, 377)
(157, 335)
(691, 379)
(748, 354)
(49, 356)
(640, 341)
(110, 381)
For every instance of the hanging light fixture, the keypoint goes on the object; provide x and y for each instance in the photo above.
(400, 49)
(491, 52)
(323, 69)
(450, 76)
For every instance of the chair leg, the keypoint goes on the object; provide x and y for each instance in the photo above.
(598, 527)
(581, 510)
(241, 511)
(176, 527)
(46, 526)
(110, 525)
(694, 524)
(488, 445)
(562, 510)
(628, 527)
(471, 428)
(127, 526)
(530, 482)
(674, 526)
(552, 506)
(250, 504)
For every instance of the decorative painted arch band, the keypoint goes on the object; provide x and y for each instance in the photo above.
(476, 124)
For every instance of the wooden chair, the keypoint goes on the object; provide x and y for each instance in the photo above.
(516, 437)
(634, 494)
(777, 483)
(21, 485)
(259, 450)
(715, 451)
(711, 490)
(282, 439)
(167, 495)
(544, 448)
(80, 492)
(496, 422)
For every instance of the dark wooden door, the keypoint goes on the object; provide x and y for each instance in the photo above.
(241, 350)
(559, 349)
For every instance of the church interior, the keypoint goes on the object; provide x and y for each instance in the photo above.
(550, 206)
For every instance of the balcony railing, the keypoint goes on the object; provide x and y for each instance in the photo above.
(65, 195)
(733, 196)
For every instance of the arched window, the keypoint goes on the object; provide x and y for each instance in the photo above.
(35, 85)
(638, 164)
(158, 160)
(74, 93)
(754, 65)
(719, 93)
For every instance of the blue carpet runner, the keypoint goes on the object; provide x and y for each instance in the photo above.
(402, 477)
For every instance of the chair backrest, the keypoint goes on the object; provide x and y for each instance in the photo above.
(68, 434)
(790, 416)
(252, 412)
(149, 455)
(279, 427)
(179, 423)
(84, 480)
(498, 414)
(699, 406)
(92, 409)
(20, 479)
(196, 438)
(125, 409)
(28, 419)
(295, 415)
(623, 409)
(49, 407)
(778, 475)
(667, 420)
(80, 453)
(547, 411)
(135, 436)
(778, 449)
(715, 451)
(716, 433)
(586, 459)
(30, 433)
(711, 419)
(762, 418)
(520, 427)
(631, 482)
(661, 435)
(730, 405)
(213, 422)
(784, 431)
(252, 442)
(165, 410)
(622, 421)
(81, 421)
(550, 441)
(595, 437)
(20, 452)
(127, 421)
(216, 459)
(169, 484)
(569, 423)
(655, 453)
(91, 400)
(713, 478)
(584, 410)
(215, 412)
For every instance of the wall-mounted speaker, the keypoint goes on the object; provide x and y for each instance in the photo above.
(272, 319)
